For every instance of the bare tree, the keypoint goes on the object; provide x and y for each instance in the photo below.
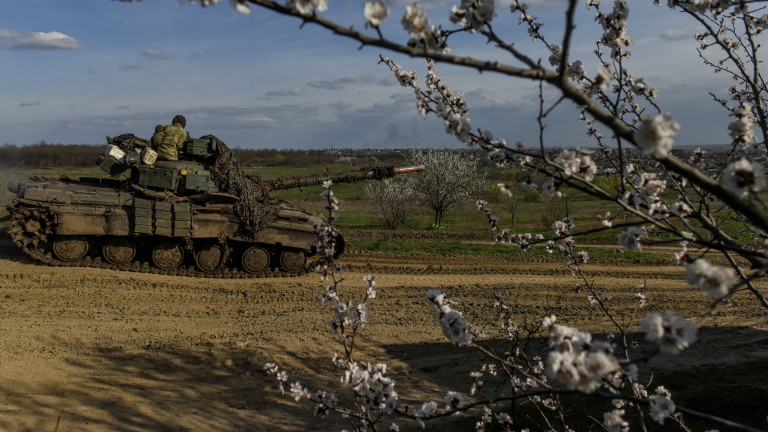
(393, 199)
(449, 178)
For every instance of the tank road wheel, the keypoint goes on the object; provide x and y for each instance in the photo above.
(255, 259)
(292, 260)
(209, 258)
(70, 248)
(118, 251)
(167, 256)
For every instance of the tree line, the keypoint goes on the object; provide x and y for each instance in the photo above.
(50, 155)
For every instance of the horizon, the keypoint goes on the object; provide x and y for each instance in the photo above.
(710, 147)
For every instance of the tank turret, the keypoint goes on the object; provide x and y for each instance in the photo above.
(199, 216)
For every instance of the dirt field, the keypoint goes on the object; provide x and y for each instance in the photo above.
(101, 350)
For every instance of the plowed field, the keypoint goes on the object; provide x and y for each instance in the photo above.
(95, 350)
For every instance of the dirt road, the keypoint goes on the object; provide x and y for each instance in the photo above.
(101, 350)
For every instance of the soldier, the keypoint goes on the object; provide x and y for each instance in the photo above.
(173, 140)
(157, 137)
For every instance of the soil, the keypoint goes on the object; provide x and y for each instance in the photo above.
(98, 350)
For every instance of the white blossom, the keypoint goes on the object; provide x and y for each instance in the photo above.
(614, 422)
(661, 405)
(504, 418)
(473, 14)
(297, 391)
(576, 361)
(713, 280)
(630, 238)
(427, 409)
(570, 161)
(654, 135)
(743, 177)
(454, 326)
(601, 81)
(741, 129)
(375, 12)
(241, 6)
(671, 332)
(308, 7)
(681, 208)
(453, 400)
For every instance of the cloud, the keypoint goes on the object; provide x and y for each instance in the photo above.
(678, 34)
(30, 103)
(198, 54)
(256, 118)
(21, 40)
(389, 81)
(123, 107)
(326, 84)
(294, 91)
(128, 66)
(340, 83)
(157, 55)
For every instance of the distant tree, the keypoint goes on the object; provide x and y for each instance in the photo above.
(393, 200)
(449, 178)
(518, 192)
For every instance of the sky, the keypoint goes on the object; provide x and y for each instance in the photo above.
(75, 71)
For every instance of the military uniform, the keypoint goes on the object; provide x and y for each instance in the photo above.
(172, 142)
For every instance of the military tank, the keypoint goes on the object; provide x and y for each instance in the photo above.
(199, 216)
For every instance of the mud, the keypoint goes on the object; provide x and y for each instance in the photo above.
(85, 349)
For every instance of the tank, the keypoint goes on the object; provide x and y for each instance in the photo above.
(198, 216)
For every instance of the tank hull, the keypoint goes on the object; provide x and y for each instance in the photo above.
(81, 223)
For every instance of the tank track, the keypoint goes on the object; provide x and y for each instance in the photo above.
(30, 228)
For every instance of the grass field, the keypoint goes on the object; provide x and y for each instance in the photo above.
(358, 213)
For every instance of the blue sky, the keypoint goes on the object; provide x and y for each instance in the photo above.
(74, 71)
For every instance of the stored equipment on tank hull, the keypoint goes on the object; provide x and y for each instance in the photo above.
(198, 216)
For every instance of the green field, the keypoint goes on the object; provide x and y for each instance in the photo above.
(357, 213)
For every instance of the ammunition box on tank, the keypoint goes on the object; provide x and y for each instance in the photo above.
(163, 219)
(114, 167)
(195, 182)
(160, 178)
(142, 216)
(182, 220)
(200, 147)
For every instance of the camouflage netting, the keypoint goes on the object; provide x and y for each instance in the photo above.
(255, 208)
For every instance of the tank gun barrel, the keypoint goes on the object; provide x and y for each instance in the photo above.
(366, 173)
(409, 169)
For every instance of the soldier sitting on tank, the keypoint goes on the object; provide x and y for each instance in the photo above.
(173, 139)
(157, 137)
